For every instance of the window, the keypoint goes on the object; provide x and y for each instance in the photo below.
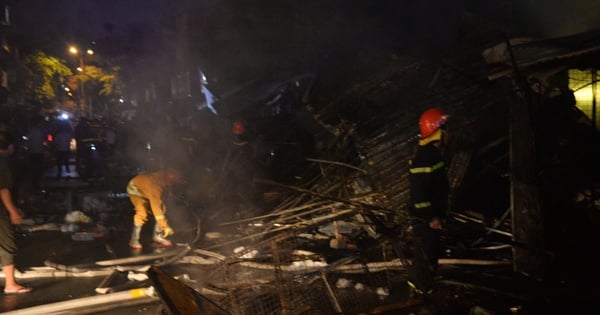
(584, 84)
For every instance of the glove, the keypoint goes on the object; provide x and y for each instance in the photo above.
(168, 231)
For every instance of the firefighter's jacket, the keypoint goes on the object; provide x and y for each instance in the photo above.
(152, 188)
(428, 183)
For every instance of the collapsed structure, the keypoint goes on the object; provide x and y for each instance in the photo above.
(335, 239)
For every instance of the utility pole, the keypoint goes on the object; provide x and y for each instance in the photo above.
(82, 100)
(82, 83)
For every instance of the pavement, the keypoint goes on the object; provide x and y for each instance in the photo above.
(72, 265)
(57, 257)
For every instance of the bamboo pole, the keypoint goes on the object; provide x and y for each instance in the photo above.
(338, 163)
(50, 272)
(338, 240)
(87, 302)
(289, 210)
(307, 224)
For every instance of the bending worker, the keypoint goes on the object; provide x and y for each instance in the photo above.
(147, 194)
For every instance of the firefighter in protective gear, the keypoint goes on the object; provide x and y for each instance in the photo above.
(147, 194)
(428, 199)
(239, 133)
(238, 128)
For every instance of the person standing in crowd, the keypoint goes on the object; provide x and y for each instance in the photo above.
(240, 163)
(17, 161)
(37, 150)
(9, 216)
(83, 133)
(429, 190)
(109, 137)
(190, 143)
(62, 143)
(147, 192)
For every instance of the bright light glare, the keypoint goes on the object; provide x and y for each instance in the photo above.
(74, 50)
(64, 116)
(584, 95)
(581, 83)
(203, 78)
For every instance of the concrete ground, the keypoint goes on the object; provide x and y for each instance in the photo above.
(43, 247)
(43, 241)
(63, 268)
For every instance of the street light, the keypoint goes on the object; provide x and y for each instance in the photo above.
(75, 51)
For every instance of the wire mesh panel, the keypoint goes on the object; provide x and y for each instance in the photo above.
(314, 253)
(264, 279)
(281, 275)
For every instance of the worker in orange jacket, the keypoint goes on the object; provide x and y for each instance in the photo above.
(147, 194)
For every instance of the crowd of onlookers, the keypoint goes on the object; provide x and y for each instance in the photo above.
(212, 150)
(45, 143)
(62, 145)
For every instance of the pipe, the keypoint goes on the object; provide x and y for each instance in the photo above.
(334, 301)
(50, 272)
(86, 302)
(111, 263)
(142, 258)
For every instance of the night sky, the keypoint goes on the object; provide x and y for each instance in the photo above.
(59, 22)
(54, 24)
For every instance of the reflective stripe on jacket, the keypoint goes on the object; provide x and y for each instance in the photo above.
(428, 183)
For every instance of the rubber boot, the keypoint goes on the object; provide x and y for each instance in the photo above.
(135, 237)
(158, 239)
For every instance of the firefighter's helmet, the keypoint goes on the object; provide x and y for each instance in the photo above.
(238, 128)
(430, 121)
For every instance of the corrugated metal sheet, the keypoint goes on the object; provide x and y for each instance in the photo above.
(380, 111)
(535, 55)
